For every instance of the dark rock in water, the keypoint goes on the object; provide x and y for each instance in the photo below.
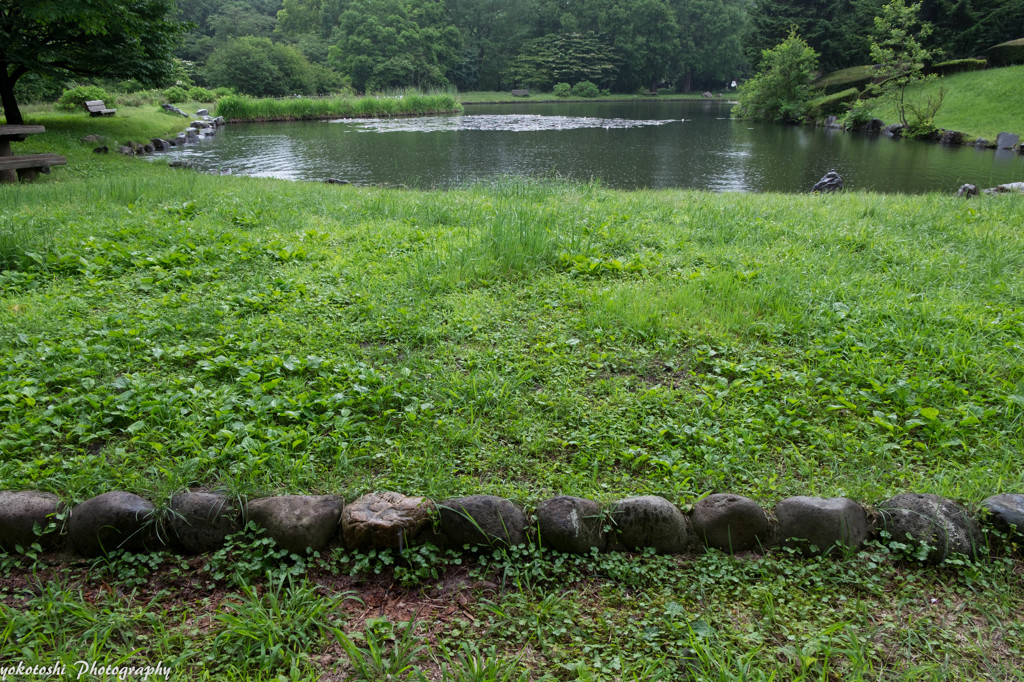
(833, 122)
(148, 148)
(101, 150)
(21, 512)
(894, 130)
(941, 524)
(952, 137)
(482, 520)
(730, 523)
(126, 149)
(114, 520)
(336, 181)
(967, 190)
(1007, 140)
(650, 521)
(830, 182)
(981, 143)
(875, 125)
(159, 144)
(1006, 512)
(175, 110)
(571, 524)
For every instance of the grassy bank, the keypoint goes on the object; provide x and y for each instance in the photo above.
(163, 330)
(978, 103)
(412, 103)
(506, 97)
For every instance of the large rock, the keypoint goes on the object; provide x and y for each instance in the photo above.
(817, 525)
(202, 521)
(482, 520)
(571, 524)
(298, 522)
(731, 523)
(1007, 140)
(384, 520)
(650, 521)
(893, 130)
(114, 520)
(830, 182)
(942, 524)
(952, 137)
(1006, 512)
(967, 191)
(1008, 188)
(21, 512)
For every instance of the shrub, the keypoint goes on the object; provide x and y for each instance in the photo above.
(176, 94)
(585, 89)
(957, 66)
(198, 94)
(75, 98)
(781, 91)
(833, 104)
(222, 92)
(858, 115)
(140, 98)
(852, 77)
(562, 90)
(1006, 54)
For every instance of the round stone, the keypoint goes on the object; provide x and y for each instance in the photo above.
(571, 524)
(650, 522)
(481, 520)
(730, 523)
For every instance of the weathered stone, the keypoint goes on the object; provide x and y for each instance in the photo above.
(203, 112)
(200, 522)
(981, 142)
(90, 139)
(952, 137)
(336, 181)
(706, 95)
(114, 520)
(731, 523)
(180, 139)
(819, 525)
(174, 110)
(650, 521)
(893, 130)
(1010, 187)
(126, 150)
(875, 125)
(298, 522)
(830, 182)
(191, 136)
(384, 520)
(1007, 140)
(159, 144)
(148, 148)
(21, 512)
(482, 520)
(571, 524)
(833, 122)
(103, 149)
(967, 191)
(219, 121)
(942, 524)
(1005, 512)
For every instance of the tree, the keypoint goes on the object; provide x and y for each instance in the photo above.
(898, 51)
(256, 66)
(781, 90)
(66, 38)
(563, 58)
(395, 43)
(711, 45)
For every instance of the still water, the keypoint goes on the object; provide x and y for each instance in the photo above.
(643, 144)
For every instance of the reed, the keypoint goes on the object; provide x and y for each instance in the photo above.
(238, 108)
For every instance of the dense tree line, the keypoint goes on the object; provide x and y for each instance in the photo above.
(621, 45)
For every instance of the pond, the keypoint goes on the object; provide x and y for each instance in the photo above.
(630, 145)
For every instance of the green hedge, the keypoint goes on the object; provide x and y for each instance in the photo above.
(833, 104)
(1005, 54)
(957, 66)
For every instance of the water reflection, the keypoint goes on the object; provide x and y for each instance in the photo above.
(623, 144)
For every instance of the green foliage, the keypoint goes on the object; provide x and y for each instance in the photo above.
(259, 67)
(198, 94)
(75, 98)
(389, 651)
(898, 51)
(64, 39)
(563, 58)
(562, 90)
(585, 89)
(852, 77)
(239, 108)
(176, 95)
(834, 104)
(957, 66)
(781, 91)
(385, 44)
(1006, 54)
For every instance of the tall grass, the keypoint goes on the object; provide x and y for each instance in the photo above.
(409, 103)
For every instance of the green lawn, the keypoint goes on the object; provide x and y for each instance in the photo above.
(163, 330)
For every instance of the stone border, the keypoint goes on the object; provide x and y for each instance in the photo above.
(198, 522)
(202, 126)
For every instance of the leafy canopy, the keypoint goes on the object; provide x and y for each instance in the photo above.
(66, 38)
(781, 90)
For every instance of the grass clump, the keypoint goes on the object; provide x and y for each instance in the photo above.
(410, 103)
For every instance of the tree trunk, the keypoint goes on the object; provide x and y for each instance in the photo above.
(10, 104)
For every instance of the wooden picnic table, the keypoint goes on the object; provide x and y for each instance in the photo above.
(25, 166)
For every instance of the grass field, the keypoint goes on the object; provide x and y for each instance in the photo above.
(163, 330)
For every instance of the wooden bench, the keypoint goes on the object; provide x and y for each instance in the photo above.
(29, 165)
(521, 93)
(96, 107)
(26, 166)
